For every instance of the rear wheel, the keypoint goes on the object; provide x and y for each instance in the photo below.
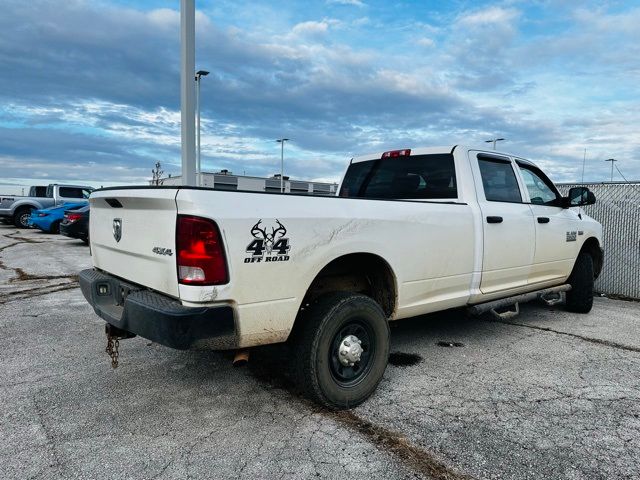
(21, 217)
(341, 349)
(580, 297)
(55, 227)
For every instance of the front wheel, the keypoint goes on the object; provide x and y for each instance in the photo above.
(580, 297)
(341, 349)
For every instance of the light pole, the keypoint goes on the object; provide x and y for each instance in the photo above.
(281, 142)
(187, 67)
(494, 140)
(611, 160)
(199, 75)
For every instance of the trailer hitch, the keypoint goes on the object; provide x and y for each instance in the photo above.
(114, 335)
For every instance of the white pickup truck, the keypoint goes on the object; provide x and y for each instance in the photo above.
(412, 231)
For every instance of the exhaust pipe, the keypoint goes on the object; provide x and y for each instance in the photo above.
(241, 358)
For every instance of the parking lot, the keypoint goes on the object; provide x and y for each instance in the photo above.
(547, 395)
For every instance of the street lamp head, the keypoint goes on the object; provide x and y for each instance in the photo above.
(280, 140)
(202, 73)
(499, 139)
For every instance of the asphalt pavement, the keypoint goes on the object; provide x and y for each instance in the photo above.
(548, 394)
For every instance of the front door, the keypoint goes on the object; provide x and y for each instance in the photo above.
(557, 232)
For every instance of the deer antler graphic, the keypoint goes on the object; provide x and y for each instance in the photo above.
(257, 230)
(278, 230)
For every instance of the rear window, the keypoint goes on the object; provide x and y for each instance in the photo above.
(73, 192)
(416, 177)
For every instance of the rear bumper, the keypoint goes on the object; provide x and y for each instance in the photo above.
(74, 230)
(157, 317)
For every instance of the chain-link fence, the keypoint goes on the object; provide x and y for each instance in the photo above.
(617, 208)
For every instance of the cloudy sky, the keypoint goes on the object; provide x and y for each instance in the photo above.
(89, 90)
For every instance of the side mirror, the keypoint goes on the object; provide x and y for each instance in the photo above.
(579, 196)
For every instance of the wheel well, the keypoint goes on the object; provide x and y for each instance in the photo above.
(364, 273)
(22, 208)
(592, 247)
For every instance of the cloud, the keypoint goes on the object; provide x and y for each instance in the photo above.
(490, 16)
(311, 28)
(354, 3)
(97, 82)
(425, 42)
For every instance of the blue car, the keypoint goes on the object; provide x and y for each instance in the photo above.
(48, 219)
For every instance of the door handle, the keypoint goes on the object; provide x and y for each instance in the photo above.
(543, 220)
(494, 219)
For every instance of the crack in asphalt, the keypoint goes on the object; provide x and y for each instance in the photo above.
(14, 236)
(597, 341)
(22, 276)
(50, 441)
(397, 444)
(36, 292)
(421, 461)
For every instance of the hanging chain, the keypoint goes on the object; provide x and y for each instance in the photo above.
(112, 349)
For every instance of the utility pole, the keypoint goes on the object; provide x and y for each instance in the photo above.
(611, 160)
(187, 90)
(494, 140)
(584, 160)
(281, 142)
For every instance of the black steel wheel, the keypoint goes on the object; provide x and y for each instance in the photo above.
(340, 349)
(349, 375)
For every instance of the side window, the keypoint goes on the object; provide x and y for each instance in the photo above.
(499, 181)
(416, 177)
(85, 193)
(69, 192)
(541, 190)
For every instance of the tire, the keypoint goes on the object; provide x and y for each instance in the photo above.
(316, 343)
(580, 297)
(21, 217)
(55, 227)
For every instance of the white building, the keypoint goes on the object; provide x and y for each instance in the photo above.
(225, 180)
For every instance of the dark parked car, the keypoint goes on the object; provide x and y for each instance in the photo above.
(75, 224)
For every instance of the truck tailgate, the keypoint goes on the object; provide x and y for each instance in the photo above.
(133, 236)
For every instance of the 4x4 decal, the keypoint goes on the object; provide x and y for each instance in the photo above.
(268, 247)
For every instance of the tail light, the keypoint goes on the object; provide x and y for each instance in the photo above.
(73, 217)
(43, 214)
(200, 256)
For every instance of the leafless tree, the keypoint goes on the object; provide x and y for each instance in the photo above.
(156, 173)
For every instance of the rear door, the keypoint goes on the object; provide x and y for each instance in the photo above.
(133, 234)
(508, 229)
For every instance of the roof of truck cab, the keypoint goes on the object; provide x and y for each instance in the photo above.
(414, 151)
(436, 150)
